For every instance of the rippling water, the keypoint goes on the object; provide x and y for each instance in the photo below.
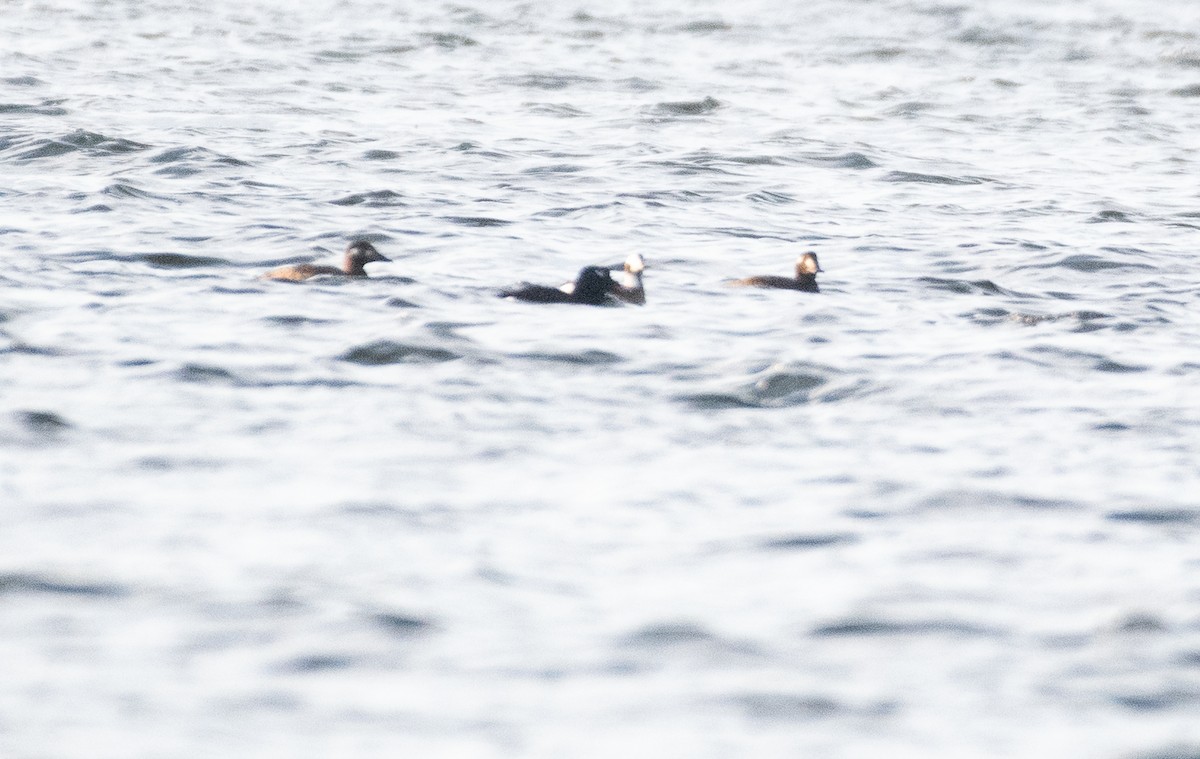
(946, 507)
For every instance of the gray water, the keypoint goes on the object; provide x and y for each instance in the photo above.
(946, 507)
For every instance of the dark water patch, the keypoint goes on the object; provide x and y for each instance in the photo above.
(15, 583)
(1111, 427)
(788, 707)
(1111, 216)
(168, 464)
(704, 27)
(403, 625)
(44, 108)
(1087, 263)
(1098, 362)
(475, 149)
(840, 161)
(964, 287)
(223, 290)
(294, 321)
(311, 663)
(205, 375)
(979, 36)
(1116, 367)
(806, 542)
(373, 199)
(448, 330)
(26, 349)
(751, 160)
(341, 56)
(193, 154)
(90, 143)
(749, 234)
(174, 260)
(556, 168)
(395, 302)
(561, 110)
(667, 635)
(771, 198)
(779, 388)
(446, 40)
(688, 168)
(910, 109)
(380, 155)
(335, 383)
(22, 81)
(662, 638)
(1155, 516)
(786, 384)
(914, 177)
(46, 424)
(873, 627)
(547, 81)
(1169, 752)
(885, 54)
(1141, 623)
(659, 198)
(384, 352)
(477, 221)
(1188, 658)
(1191, 91)
(127, 191)
(717, 401)
(686, 107)
(1157, 701)
(990, 316)
(637, 84)
(558, 213)
(982, 499)
(589, 357)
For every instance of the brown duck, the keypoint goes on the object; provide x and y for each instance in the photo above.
(804, 281)
(358, 254)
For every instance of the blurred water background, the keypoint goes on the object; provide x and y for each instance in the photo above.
(947, 507)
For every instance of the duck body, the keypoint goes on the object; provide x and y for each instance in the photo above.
(358, 254)
(591, 288)
(804, 281)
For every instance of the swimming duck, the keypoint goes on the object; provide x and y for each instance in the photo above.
(632, 290)
(358, 254)
(805, 279)
(591, 287)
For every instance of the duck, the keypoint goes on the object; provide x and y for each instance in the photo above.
(591, 287)
(805, 280)
(632, 290)
(358, 254)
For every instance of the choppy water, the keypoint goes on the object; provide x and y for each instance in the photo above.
(946, 507)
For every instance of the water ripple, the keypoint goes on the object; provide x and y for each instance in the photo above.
(82, 141)
(916, 178)
(383, 352)
(701, 107)
(18, 583)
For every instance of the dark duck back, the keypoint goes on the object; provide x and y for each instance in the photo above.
(591, 288)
